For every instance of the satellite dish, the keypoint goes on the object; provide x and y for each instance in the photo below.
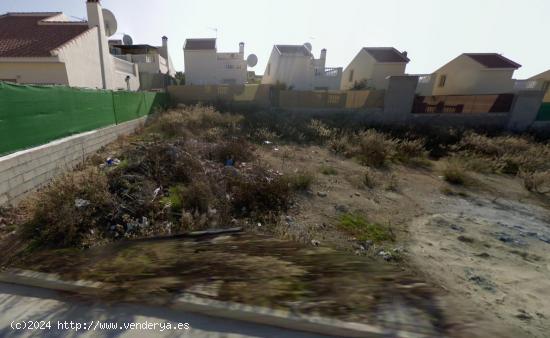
(308, 46)
(127, 40)
(252, 60)
(111, 24)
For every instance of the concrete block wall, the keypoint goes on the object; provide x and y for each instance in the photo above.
(25, 171)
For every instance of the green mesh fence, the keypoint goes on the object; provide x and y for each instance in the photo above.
(34, 115)
(544, 112)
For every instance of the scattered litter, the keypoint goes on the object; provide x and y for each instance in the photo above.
(386, 255)
(259, 224)
(322, 194)
(156, 193)
(508, 239)
(275, 149)
(112, 162)
(268, 142)
(315, 242)
(229, 162)
(81, 203)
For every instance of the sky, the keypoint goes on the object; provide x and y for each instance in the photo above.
(432, 31)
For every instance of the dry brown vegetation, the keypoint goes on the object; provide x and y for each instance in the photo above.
(195, 167)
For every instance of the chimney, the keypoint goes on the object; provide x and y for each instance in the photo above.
(405, 53)
(95, 14)
(164, 49)
(323, 57)
(323, 54)
(95, 19)
(241, 48)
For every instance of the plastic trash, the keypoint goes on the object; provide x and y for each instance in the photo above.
(267, 142)
(81, 203)
(112, 162)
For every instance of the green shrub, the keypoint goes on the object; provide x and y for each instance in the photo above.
(374, 148)
(329, 171)
(359, 227)
(300, 180)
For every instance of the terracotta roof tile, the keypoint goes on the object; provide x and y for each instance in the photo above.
(23, 36)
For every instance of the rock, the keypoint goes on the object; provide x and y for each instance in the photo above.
(322, 194)
(483, 255)
(288, 219)
(315, 242)
(457, 228)
(357, 194)
(523, 315)
(465, 239)
(341, 208)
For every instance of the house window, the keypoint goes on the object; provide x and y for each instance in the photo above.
(229, 66)
(442, 80)
(269, 69)
(350, 76)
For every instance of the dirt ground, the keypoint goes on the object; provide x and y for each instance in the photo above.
(485, 246)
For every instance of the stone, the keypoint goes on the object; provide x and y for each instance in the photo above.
(322, 194)
(341, 208)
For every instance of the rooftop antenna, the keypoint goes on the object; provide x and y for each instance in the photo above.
(215, 29)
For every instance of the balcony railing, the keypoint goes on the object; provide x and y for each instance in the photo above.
(328, 72)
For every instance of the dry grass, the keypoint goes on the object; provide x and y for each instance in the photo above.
(454, 172)
(56, 220)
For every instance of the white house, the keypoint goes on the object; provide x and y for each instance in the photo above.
(150, 59)
(471, 74)
(205, 66)
(295, 67)
(372, 66)
(47, 48)
(156, 69)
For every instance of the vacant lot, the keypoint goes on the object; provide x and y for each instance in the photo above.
(459, 220)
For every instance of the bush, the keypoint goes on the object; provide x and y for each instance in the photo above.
(237, 150)
(359, 227)
(408, 150)
(300, 181)
(454, 173)
(538, 182)
(375, 148)
(369, 179)
(197, 197)
(57, 220)
(329, 171)
(258, 191)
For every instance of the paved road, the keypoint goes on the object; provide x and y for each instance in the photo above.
(18, 303)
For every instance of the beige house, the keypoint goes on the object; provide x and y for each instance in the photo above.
(372, 66)
(295, 67)
(543, 82)
(205, 66)
(471, 74)
(47, 48)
